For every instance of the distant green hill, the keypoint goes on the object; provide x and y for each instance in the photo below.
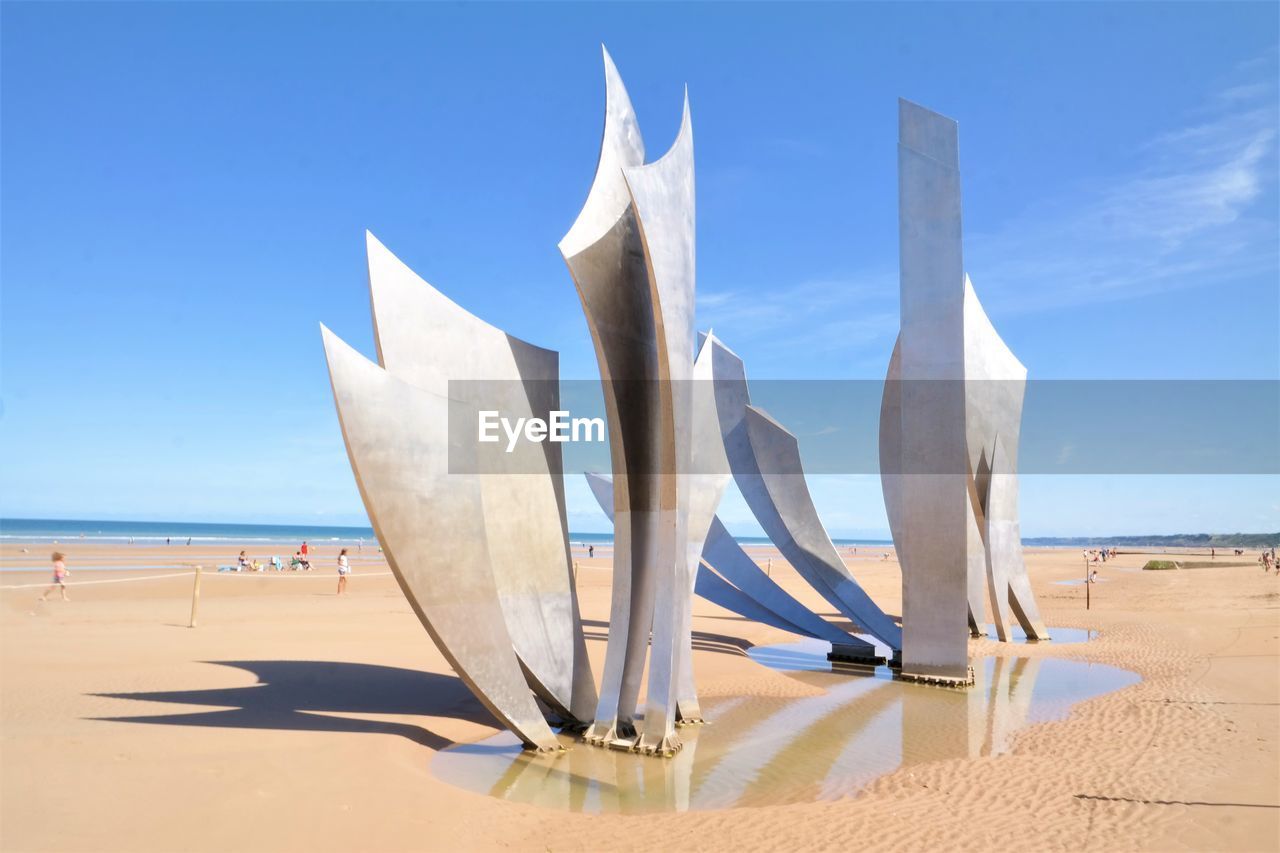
(1180, 540)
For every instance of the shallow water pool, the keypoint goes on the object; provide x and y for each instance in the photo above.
(758, 751)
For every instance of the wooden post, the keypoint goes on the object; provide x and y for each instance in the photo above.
(195, 598)
(769, 569)
(1088, 591)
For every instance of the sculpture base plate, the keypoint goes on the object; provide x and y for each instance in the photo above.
(937, 680)
(606, 735)
(633, 743)
(621, 744)
(855, 655)
(666, 748)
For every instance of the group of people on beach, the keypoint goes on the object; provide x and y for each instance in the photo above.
(1268, 560)
(299, 562)
(1095, 556)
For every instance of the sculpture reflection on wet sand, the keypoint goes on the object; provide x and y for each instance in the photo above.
(768, 750)
(479, 543)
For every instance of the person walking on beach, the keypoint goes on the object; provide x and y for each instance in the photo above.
(591, 550)
(304, 549)
(59, 577)
(344, 569)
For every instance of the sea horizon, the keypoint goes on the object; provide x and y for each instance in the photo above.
(157, 533)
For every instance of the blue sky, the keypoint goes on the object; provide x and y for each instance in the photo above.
(185, 189)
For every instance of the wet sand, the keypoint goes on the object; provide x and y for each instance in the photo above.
(292, 719)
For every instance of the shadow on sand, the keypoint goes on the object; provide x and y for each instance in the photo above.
(300, 696)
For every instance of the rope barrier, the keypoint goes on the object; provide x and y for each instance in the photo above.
(293, 576)
(90, 583)
(264, 575)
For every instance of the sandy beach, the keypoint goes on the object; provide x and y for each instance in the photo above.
(294, 719)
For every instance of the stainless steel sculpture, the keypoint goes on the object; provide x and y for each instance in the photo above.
(432, 343)
(765, 459)
(952, 405)
(431, 524)
(932, 495)
(995, 389)
(705, 481)
(482, 557)
(606, 258)
(723, 556)
(728, 577)
(479, 542)
(631, 255)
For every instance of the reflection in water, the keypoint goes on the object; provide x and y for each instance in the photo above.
(767, 751)
(1058, 636)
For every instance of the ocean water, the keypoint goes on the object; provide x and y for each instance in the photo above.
(47, 530)
(156, 532)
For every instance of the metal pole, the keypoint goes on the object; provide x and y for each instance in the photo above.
(195, 597)
(1088, 592)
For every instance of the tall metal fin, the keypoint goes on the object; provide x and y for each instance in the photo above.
(432, 343)
(431, 527)
(766, 464)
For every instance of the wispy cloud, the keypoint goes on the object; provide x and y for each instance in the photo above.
(1190, 216)
(814, 317)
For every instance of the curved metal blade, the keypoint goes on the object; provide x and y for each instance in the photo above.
(432, 343)
(431, 526)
